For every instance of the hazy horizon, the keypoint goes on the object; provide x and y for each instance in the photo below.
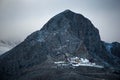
(19, 18)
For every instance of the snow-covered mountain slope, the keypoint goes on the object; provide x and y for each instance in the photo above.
(6, 45)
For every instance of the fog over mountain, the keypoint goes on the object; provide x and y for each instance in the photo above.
(6, 45)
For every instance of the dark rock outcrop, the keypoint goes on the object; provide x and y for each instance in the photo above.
(66, 33)
(116, 49)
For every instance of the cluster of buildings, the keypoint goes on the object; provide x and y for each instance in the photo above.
(75, 62)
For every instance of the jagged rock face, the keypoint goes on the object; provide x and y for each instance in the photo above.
(66, 32)
(116, 49)
(114, 52)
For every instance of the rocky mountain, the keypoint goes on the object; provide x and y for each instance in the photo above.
(6, 45)
(115, 50)
(67, 34)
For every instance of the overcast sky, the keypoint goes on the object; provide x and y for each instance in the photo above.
(19, 18)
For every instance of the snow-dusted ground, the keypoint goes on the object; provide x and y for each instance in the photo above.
(75, 62)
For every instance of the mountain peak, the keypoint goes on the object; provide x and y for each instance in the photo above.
(65, 35)
(67, 19)
(68, 11)
(69, 14)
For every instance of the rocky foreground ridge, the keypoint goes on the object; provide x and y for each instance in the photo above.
(67, 34)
